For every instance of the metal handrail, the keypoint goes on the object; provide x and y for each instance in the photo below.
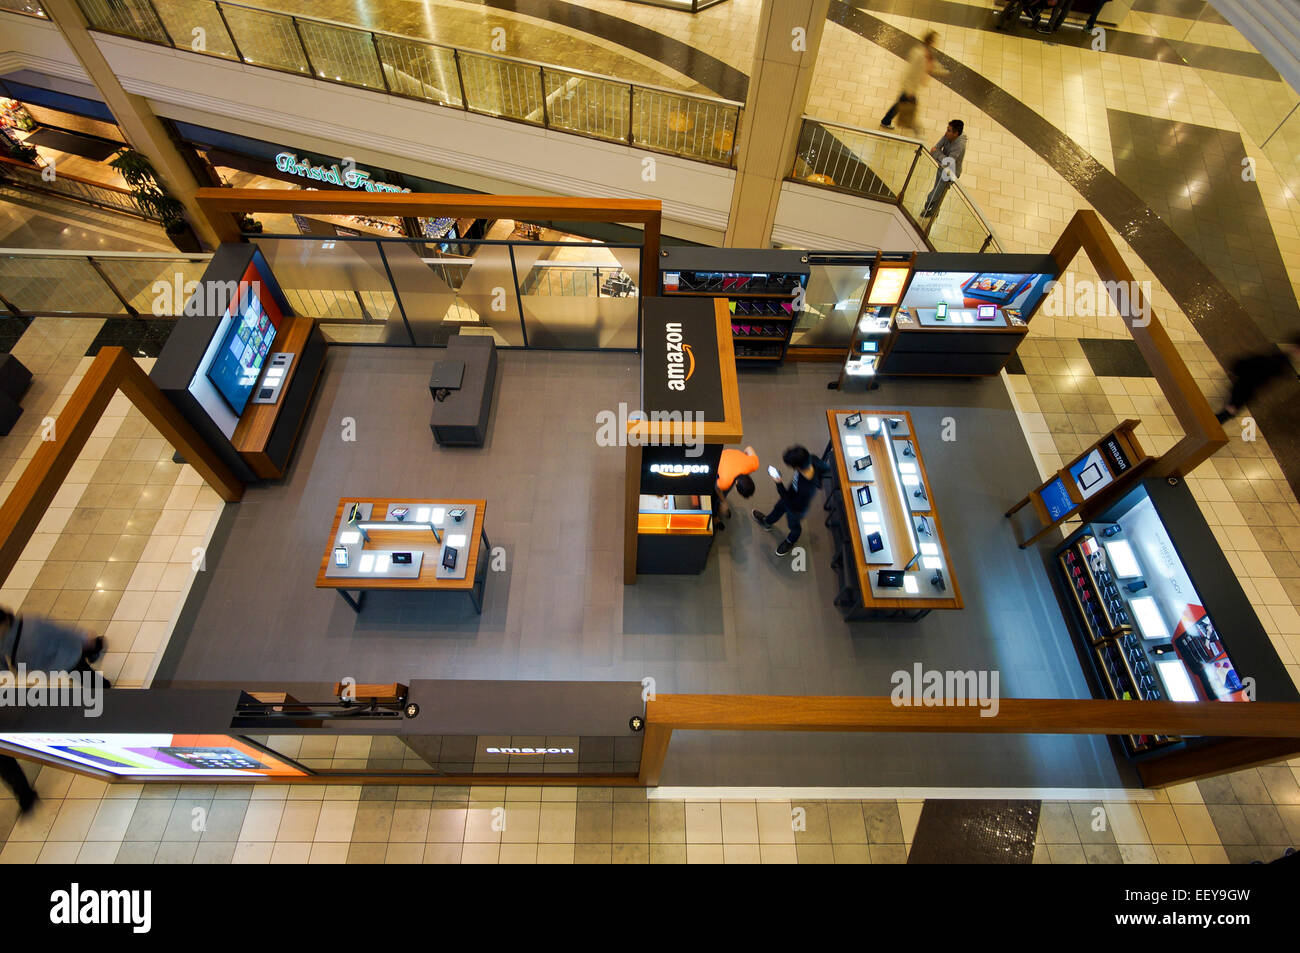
(495, 56)
(714, 155)
(920, 150)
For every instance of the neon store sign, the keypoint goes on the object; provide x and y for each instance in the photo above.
(352, 178)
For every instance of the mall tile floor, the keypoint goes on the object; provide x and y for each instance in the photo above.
(1248, 816)
(1218, 84)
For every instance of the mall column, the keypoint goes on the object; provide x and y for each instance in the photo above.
(143, 130)
(785, 52)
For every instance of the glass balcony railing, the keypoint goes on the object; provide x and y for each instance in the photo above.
(566, 100)
(394, 292)
(889, 168)
(101, 284)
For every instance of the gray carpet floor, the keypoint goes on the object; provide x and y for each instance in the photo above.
(748, 624)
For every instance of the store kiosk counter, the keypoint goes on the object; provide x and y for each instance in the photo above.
(1158, 613)
(416, 545)
(890, 554)
(940, 314)
(690, 403)
(240, 367)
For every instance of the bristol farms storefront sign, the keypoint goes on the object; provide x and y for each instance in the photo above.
(349, 175)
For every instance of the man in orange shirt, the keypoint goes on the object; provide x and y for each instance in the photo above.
(734, 469)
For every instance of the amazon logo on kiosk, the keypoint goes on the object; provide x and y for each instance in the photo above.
(679, 469)
(681, 359)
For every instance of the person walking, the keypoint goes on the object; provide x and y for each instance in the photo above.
(921, 65)
(43, 645)
(1092, 18)
(795, 499)
(734, 469)
(11, 772)
(1252, 372)
(950, 150)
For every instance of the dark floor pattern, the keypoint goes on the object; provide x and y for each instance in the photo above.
(1114, 357)
(975, 832)
(973, 16)
(1226, 327)
(1191, 176)
(708, 71)
(750, 623)
(143, 337)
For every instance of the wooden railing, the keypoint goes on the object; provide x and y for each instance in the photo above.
(112, 370)
(1266, 731)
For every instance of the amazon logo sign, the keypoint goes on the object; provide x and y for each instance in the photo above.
(681, 359)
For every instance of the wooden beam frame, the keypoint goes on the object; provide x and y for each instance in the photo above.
(1203, 435)
(221, 205)
(113, 370)
(1261, 731)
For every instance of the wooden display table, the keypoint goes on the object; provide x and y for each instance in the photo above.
(377, 534)
(888, 499)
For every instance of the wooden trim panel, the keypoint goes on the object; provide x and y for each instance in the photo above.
(253, 432)
(1036, 716)
(1203, 434)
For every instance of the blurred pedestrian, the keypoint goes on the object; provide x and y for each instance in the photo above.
(11, 772)
(921, 65)
(1251, 373)
(43, 645)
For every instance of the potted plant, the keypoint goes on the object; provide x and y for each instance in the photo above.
(153, 200)
(248, 224)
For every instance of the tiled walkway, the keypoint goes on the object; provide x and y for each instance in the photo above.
(1106, 103)
(1247, 816)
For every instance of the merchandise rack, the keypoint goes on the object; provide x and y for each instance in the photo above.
(762, 302)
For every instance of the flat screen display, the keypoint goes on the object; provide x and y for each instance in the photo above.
(182, 756)
(238, 362)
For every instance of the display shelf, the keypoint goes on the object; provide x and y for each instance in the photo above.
(760, 288)
(910, 550)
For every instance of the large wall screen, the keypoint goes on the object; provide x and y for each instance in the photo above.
(158, 755)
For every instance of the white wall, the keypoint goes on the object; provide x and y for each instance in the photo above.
(448, 145)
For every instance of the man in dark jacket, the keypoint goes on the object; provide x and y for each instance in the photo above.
(1254, 371)
(795, 499)
(43, 645)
